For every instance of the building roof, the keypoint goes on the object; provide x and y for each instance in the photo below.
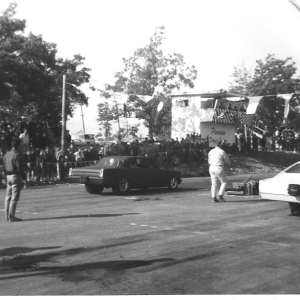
(209, 94)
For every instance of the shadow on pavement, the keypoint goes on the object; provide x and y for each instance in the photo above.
(18, 250)
(81, 216)
(32, 265)
(151, 191)
(78, 273)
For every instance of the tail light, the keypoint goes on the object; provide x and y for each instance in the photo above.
(101, 173)
(70, 171)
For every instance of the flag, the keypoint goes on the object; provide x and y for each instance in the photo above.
(253, 103)
(287, 98)
(145, 98)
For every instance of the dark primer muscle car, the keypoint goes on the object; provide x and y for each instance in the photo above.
(122, 173)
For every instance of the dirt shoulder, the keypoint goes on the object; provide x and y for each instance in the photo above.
(247, 163)
(262, 162)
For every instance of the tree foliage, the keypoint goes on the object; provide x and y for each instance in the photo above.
(271, 78)
(106, 115)
(241, 79)
(148, 69)
(31, 73)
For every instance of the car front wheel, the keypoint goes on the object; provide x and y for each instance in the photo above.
(94, 188)
(122, 187)
(173, 183)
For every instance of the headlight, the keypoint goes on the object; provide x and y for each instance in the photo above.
(101, 173)
(70, 171)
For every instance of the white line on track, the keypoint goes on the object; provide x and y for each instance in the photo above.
(279, 244)
(168, 228)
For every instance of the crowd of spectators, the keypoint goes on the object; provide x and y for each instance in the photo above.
(36, 134)
(43, 159)
(283, 139)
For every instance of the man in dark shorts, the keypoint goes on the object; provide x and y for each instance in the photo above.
(15, 175)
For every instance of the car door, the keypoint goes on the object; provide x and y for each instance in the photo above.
(133, 172)
(160, 176)
(148, 172)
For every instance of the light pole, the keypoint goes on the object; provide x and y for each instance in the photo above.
(63, 130)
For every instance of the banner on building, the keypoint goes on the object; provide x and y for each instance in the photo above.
(287, 98)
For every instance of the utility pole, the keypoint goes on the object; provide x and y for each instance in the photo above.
(82, 119)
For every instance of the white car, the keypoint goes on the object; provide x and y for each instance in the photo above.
(285, 186)
(84, 140)
(108, 141)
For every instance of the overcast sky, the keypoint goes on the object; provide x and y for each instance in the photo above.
(213, 35)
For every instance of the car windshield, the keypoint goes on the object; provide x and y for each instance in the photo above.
(89, 136)
(111, 162)
(294, 169)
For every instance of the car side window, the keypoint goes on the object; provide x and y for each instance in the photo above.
(293, 169)
(130, 163)
(133, 164)
(146, 163)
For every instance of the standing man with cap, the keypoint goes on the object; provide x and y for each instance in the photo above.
(217, 160)
(13, 170)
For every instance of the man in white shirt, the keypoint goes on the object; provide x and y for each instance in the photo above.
(25, 140)
(218, 160)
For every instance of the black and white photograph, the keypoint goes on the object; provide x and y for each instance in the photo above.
(150, 148)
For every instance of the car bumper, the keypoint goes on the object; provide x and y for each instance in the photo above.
(280, 197)
(84, 179)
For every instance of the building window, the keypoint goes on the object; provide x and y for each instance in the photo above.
(183, 103)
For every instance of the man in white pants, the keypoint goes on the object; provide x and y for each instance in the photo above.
(218, 160)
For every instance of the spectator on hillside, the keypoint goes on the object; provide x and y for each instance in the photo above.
(78, 156)
(25, 141)
(42, 165)
(26, 163)
(134, 148)
(254, 143)
(241, 142)
(50, 164)
(263, 142)
(44, 140)
(68, 138)
(32, 163)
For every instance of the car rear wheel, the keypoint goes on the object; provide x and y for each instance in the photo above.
(94, 188)
(173, 183)
(294, 207)
(123, 186)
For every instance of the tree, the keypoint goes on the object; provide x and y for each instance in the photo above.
(148, 69)
(241, 79)
(31, 74)
(106, 115)
(271, 78)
